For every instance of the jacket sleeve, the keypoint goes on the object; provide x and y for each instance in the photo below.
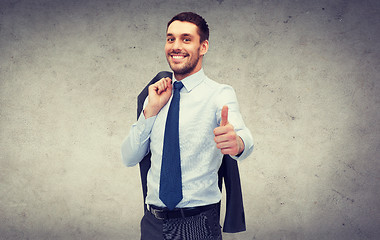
(234, 220)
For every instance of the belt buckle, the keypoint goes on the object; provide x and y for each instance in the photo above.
(156, 213)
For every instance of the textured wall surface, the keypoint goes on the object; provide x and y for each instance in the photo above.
(306, 74)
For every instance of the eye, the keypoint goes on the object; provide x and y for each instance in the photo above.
(187, 40)
(170, 39)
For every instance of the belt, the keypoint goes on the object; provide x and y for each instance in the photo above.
(164, 213)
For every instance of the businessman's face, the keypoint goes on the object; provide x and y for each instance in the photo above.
(183, 49)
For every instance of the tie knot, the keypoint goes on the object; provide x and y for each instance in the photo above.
(178, 85)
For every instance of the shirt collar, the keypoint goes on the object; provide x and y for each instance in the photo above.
(193, 80)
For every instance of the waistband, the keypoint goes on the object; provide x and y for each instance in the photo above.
(163, 213)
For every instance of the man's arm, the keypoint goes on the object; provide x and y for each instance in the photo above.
(136, 145)
(232, 136)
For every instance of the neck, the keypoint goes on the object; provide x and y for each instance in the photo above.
(179, 77)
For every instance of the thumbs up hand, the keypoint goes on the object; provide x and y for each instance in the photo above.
(226, 138)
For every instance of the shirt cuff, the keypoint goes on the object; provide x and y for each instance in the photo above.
(248, 146)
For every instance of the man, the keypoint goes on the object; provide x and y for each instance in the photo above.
(187, 149)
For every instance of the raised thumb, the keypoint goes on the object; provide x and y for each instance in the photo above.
(224, 114)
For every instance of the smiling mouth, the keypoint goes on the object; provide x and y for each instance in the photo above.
(178, 56)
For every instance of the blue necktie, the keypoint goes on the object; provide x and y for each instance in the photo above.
(171, 179)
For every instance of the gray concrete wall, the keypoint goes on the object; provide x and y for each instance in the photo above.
(306, 74)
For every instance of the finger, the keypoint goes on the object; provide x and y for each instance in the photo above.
(220, 138)
(223, 145)
(156, 86)
(169, 83)
(224, 114)
(225, 137)
(219, 131)
(153, 89)
(223, 129)
(230, 151)
(161, 86)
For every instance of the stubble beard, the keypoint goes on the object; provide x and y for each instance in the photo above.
(187, 68)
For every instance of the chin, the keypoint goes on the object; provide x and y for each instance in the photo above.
(178, 69)
(181, 71)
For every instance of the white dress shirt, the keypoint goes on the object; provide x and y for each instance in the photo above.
(201, 102)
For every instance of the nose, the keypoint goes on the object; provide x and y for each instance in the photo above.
(177, 45)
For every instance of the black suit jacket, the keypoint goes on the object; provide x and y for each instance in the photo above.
(234, 220)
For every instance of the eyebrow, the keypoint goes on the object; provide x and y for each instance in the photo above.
(184, 35)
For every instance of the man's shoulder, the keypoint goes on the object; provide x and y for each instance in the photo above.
(216, 85)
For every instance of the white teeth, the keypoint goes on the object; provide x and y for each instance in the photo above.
(177, 57)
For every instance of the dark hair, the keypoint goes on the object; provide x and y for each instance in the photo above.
(194, 18)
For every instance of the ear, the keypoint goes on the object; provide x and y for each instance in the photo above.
(204, 47)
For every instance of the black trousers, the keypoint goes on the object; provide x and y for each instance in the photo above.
(204, 226)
